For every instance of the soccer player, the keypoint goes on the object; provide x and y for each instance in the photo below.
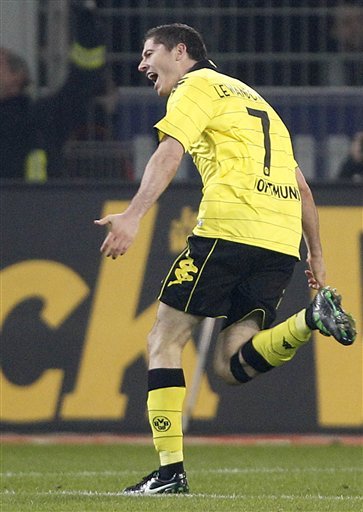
(256, 204)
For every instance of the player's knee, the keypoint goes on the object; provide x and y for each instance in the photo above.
(165, 345)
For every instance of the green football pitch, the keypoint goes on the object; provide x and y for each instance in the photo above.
(253, 478)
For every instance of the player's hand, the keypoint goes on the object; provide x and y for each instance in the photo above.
(316, 274)
(122, 232)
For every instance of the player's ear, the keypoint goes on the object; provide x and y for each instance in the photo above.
(181, 50)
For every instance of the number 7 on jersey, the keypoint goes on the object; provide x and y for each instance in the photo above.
(265, 121)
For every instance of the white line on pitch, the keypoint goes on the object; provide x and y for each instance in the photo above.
(35, 474)
(93, 494)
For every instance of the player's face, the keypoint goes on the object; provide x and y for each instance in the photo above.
(10, 81)
(160, 66)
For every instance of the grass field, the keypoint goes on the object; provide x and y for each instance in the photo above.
(257, 478)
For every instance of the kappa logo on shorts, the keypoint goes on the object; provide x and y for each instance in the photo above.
(183, 272)
(161, 423)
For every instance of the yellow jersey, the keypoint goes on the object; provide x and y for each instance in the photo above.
(244, 155)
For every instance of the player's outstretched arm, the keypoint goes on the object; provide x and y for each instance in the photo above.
(159, 172)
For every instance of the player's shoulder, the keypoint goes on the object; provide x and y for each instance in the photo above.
(192, 83)
(199, 76)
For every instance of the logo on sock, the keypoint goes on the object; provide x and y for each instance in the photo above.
(161, 423)
(286, 344)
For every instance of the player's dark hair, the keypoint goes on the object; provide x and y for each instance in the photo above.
(175, 33)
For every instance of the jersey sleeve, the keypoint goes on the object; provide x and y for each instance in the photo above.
(189, 110)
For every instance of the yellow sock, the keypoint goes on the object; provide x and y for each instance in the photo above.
(280, 343)
(165, 407)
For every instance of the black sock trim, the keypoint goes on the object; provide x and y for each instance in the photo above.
(166, 378)
(167, 472)
(237, 369)
(254, 359)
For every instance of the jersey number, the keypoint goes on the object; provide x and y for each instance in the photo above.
(261, 114)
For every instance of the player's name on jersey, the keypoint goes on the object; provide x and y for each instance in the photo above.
(225, 90)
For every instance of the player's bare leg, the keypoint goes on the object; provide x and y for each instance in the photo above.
(229, 341)
(166, 386)
(171, 331)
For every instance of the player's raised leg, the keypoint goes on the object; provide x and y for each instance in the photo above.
(273, 347)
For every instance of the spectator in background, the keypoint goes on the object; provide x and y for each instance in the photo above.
(33, 132)
(347, 37)
(352, 167)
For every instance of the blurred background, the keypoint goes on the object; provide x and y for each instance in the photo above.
(306, 57)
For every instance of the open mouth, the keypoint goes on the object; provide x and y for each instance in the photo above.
(152, 76)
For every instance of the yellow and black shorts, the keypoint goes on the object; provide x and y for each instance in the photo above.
(218, 278)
